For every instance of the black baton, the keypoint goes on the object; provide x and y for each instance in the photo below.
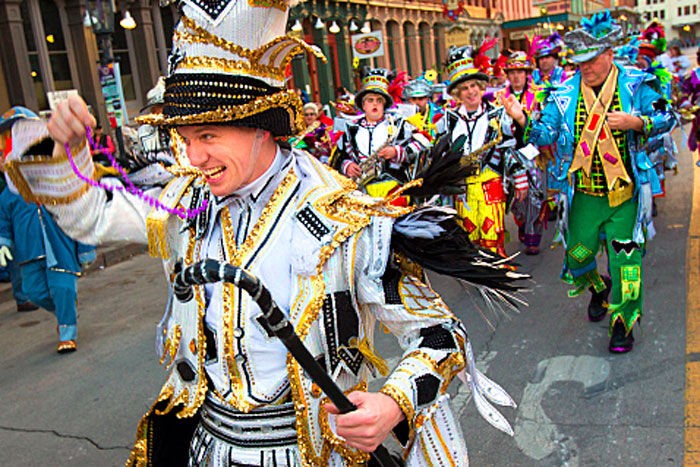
(211, 270)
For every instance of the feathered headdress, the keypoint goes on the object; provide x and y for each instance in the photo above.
(545, 46)
(397, 86)
(500, 63)
(626, 54)
(523, 60)
(662, 74)
(481, 60)
(655, 35)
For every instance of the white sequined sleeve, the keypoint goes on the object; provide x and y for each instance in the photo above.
(87, 213)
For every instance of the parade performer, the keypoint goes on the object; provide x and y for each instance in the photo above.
(604, 113)
(494, 167)
(335, 260)
(49, 262)
(315, 139)
(419, 92)
(661, 148)
(547, 74)
(531, 212)
(379, 148)
(9, 267)
(690, 105)
(148, 155)
(547, 54)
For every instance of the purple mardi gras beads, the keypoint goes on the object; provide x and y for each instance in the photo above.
(182, 213)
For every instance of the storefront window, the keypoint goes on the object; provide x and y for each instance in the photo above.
(58, 55)
(120, 50)
(35, 67)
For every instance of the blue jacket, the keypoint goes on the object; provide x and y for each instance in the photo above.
(555, 77)
(31, 233)
(637, 97)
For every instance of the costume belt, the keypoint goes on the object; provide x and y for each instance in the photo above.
(615, 197)
(271, 426)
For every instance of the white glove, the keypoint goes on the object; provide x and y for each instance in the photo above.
(5, 256)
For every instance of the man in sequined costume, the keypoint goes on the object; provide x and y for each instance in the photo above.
(529, 213)
(495, 167)
(386, 138)
(233, 395)
(611, 180)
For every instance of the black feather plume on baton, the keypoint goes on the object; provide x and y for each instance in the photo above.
(211, 270)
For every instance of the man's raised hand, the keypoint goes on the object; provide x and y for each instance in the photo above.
(68, 122)
(515, 110)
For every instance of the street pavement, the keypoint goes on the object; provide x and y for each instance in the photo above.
(577, 404)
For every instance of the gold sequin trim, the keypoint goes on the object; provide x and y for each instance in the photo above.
(203, 36)
(171, 345)
(201, 390)
(232, 66)
(404, 403)
(236, 256)
(301, 407)
(277, 4)
(286, 99)
(189, 406)
(339, 445)
(12, 168)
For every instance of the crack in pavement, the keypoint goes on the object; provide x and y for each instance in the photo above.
(598, 425)
(641, 374)
(61, 435)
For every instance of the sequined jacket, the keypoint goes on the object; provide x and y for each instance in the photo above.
(492, 148)
(344, 272)
(637, 97)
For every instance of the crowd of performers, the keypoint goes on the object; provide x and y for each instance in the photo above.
(535, 169)
(575, 131)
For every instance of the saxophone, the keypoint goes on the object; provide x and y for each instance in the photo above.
(372, 167)
(471, 160)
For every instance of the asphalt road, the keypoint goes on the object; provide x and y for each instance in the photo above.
(578, 405)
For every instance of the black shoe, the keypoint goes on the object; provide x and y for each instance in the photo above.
(619, 342)
(654, 212)
(26, 306)
(598, 306)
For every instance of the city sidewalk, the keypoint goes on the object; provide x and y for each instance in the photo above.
(107, 255)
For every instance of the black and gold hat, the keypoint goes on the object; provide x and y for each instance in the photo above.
(228, 66)
(375, 81)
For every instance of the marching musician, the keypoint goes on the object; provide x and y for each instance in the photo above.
(378, 138)
(489, 146)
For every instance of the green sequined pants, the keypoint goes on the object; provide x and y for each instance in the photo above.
(591, 222)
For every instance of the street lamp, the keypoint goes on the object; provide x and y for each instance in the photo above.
(297, 27)
(366, 29)
(100, 14)
(127, 21)
(334, 29)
